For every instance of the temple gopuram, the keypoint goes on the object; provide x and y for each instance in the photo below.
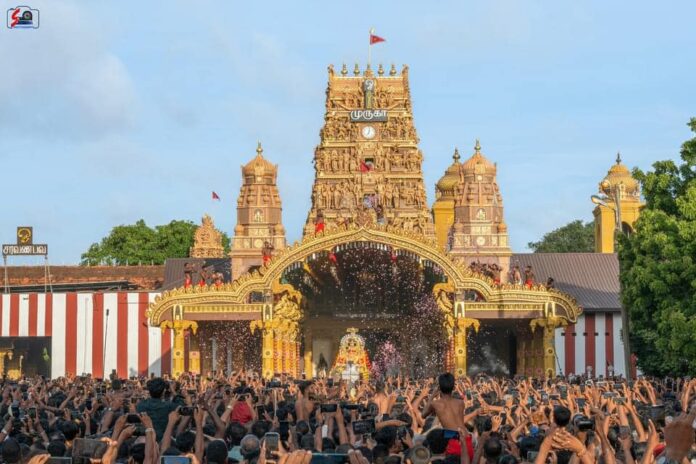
(437, 284)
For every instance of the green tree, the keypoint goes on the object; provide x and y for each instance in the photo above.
(140, 244)
(574, 237)
(658, 273)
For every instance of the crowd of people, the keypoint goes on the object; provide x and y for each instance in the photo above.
(245, 419)
(206, 276)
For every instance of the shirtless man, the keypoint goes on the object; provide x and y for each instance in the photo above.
(381, 399)
(449, 411)
(303, 406)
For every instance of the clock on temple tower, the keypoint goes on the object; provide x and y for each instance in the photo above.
(367, 163)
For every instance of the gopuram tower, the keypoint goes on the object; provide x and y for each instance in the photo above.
(367, 163)
(259, 228)
(479, 232)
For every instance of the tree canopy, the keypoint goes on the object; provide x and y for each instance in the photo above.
(658, 273)
(574, 237)
(140, 244)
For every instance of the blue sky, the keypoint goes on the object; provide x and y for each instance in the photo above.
(116, 111)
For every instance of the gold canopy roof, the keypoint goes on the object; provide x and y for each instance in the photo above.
(448, 182)
(619, 175)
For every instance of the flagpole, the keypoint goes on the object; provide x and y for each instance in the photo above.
(369, 46)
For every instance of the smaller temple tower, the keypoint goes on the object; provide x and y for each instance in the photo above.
(443, 208)
(259, 231)
(479, 232)
(207, 241)
(618, 205)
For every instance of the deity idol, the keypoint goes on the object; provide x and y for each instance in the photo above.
(352, 362)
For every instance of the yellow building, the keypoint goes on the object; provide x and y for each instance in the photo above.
(618, 206)
(443, 208)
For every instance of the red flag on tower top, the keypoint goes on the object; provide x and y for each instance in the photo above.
(215, 196)
(375, 38)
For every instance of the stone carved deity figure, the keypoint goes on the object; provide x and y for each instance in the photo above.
(369, 90)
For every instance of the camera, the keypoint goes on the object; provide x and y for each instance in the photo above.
(583, 423)
(364, 427)
(328, 408)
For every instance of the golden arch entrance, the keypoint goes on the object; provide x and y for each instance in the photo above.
(275, 308)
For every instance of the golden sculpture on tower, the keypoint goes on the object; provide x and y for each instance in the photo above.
(207, 241)
(368, 165)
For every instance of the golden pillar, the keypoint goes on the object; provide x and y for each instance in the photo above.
(548, 324)
(4, 353)
(179, 326)
(308, 366)
(285, 346)
(298, 357)
(267, 352)
(268, 340)
(460, 345)
(277, 352)
(462, 323)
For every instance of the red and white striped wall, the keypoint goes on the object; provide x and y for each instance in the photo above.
(90, 332)
(595, 341)
(84, 339)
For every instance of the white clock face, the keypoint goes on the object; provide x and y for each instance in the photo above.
(480, 241)
(368, 132)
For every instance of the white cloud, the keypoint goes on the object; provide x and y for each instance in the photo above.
(61, 81)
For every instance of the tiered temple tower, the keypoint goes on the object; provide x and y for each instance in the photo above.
(368, 165)
(443, 208)
(479, 231)
(620, 202)
(259, 220)
(207, 241)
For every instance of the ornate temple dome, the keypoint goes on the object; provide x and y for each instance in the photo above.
(478, 164)
(445, 187)
(479, 228)
(259, 166)
(620, 176)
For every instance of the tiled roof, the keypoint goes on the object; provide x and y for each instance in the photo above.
(591, 278)
(137, 277)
